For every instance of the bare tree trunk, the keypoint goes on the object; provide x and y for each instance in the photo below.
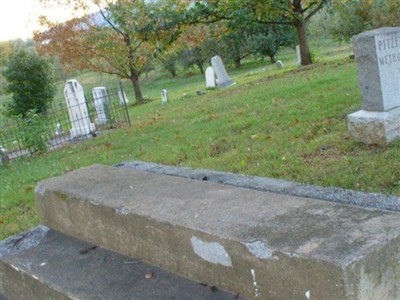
(303, 43)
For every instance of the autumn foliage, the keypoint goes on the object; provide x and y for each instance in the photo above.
(116, 40)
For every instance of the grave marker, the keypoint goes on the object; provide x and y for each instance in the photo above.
(122, 98)
(101, 104)
(77, 109)
(298, 55)
(164, 96)
(59, 130)
(223, 79)
(377, 54)
(279, 64)
(210, 78)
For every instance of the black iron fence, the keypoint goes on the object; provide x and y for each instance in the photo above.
(65, 122)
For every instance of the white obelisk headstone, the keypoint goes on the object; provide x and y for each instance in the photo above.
(77, 109)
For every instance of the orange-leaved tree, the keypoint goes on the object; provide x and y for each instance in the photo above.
(116, 40)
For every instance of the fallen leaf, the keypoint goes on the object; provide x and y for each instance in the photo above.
(28, 189)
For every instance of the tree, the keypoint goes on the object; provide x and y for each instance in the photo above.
(294, 13)
(235, 46)
(118, 40)
(238, 42)
(169, 61)
(30, 79)
(191, 48)
(6, 49)
(351, 17)
(266, 40)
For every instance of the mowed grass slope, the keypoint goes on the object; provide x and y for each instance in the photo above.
(289, 124)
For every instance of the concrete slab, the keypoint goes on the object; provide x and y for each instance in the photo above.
(44, 264)
(259, 244)
(332, 194)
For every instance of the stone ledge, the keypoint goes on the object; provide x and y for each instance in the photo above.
(260, 244)
(44, 264)
(331, 194)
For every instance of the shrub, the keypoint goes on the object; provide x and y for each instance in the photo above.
(33, 131)
(30, 79)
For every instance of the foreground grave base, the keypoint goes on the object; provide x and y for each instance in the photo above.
(379, 128)
(44, 264)
(257, 244)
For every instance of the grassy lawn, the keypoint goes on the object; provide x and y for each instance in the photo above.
(288, 124)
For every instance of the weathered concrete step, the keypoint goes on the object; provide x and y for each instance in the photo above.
(259, 244)
(43, 264)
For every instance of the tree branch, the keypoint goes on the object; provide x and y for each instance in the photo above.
(315, 10)
(110, 23)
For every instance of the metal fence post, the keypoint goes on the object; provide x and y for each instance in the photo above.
(126, 107)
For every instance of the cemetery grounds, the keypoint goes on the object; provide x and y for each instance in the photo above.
(288, 123)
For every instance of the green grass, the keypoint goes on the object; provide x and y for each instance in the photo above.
(289, 124)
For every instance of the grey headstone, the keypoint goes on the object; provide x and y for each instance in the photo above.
(223, 79)
(101, 104)
(279, 64)
(122, 98)
(200, 92)
(377, 54)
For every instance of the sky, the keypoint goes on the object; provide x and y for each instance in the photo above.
(19, 18)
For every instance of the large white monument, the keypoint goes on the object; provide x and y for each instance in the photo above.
(377, 54)
(77, 109)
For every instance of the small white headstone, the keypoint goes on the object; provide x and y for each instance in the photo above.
(210, 78)
(3, 155)
(59, 130)
(223, 79)
(101, 104)
(77, 109)
(164, 96)
(122, 98)
(298, 55)
(279, 64)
